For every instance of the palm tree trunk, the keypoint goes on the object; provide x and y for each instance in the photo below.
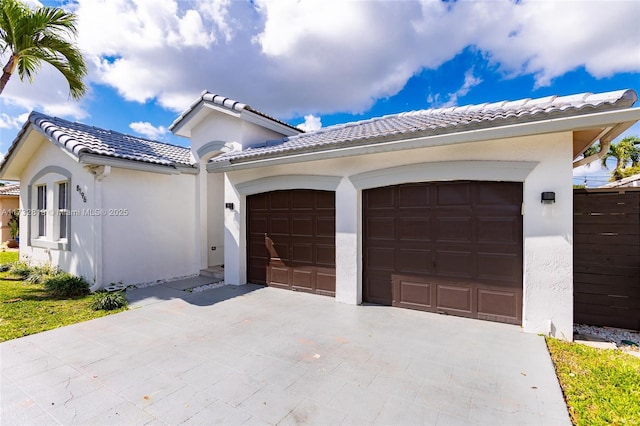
(7, 71)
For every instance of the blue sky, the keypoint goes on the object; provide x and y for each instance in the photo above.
(315, 63)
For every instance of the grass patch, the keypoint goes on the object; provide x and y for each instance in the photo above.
(601, 386)
(27, 308)
(8, 256)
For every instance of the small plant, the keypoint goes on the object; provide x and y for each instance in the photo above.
(41, 272)
(14, 225)
(21, 268)
(4, 267)
(66, 285)
(109, 301)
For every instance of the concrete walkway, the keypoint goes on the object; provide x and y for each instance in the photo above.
(255, 355)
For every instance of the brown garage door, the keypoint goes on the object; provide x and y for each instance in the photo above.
(451, 247)
(291, 240)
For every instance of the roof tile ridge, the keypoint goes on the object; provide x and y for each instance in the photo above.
(49, 127)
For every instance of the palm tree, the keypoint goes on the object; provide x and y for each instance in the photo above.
(36, 36)
(626, 153)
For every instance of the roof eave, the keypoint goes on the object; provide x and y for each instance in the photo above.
(553, 125)
(123, 163)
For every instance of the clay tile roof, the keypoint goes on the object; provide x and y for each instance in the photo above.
(226, 103)
(80, 138)
(11, 189)
(434, 122)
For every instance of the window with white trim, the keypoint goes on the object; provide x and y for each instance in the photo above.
(42, 210)
(49, 206)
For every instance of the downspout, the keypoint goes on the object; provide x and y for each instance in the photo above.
(100, 172)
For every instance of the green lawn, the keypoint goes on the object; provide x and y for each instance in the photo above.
(27, 309)
(601, 386)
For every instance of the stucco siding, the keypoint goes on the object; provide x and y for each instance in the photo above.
(148, 227)
(79, 259)
(542, 163)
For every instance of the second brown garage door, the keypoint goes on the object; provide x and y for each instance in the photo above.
(450, 247)
(291, 240)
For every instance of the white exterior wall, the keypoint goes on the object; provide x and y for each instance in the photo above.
(154, 239)
(209, 138)
(542, 163)
(80, 258)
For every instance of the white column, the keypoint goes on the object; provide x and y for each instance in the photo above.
(348, 252)
(235, 247)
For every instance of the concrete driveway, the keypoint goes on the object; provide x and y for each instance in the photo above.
(254, 355)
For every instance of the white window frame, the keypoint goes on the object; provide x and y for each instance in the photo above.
(45, 202)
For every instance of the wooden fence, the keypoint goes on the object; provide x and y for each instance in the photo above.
(606, 257)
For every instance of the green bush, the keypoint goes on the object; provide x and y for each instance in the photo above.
(109, 301)
(41, 272)
(66, 285)
(20, 268)
(4, 267)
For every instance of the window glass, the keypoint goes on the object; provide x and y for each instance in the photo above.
(42, 210)
(63, 207)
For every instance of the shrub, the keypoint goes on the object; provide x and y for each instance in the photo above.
(64, 284)
(20, 268)
(41, 272)
(4, 267)
(108, 301)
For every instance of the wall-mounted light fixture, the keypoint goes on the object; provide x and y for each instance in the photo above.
(548, 197)
(228, 206)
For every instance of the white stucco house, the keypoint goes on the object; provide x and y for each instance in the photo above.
(463, 210)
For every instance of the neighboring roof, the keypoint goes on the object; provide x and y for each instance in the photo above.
(227, 103)
(11, 189)
(433, 122)
(628, 182)
(79, 139)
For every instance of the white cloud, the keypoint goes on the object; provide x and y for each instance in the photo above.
(293, 57)
(470, 81)
(149, 130)
(12, 121)
(311, 123)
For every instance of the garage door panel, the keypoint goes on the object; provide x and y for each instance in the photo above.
(325, 200)
(414, 261)
(381, 198)
(302, 278)
(414, 228)
(498, 303)
(326, 281)
(380, 259)
(458, 229)
(499, 267)
(452, 194)
(302, 253)
(413, 196)
(462, 240)
(498, 229)
(381, 228)
(291, 238)
(378, 288)
(413, 292)
(302, 227)
(325, 255)
(456, 298)
(326, 226)
(497, 194)
(280, 226)
(454, 264)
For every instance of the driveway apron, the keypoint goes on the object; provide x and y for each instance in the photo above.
(257, 355)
